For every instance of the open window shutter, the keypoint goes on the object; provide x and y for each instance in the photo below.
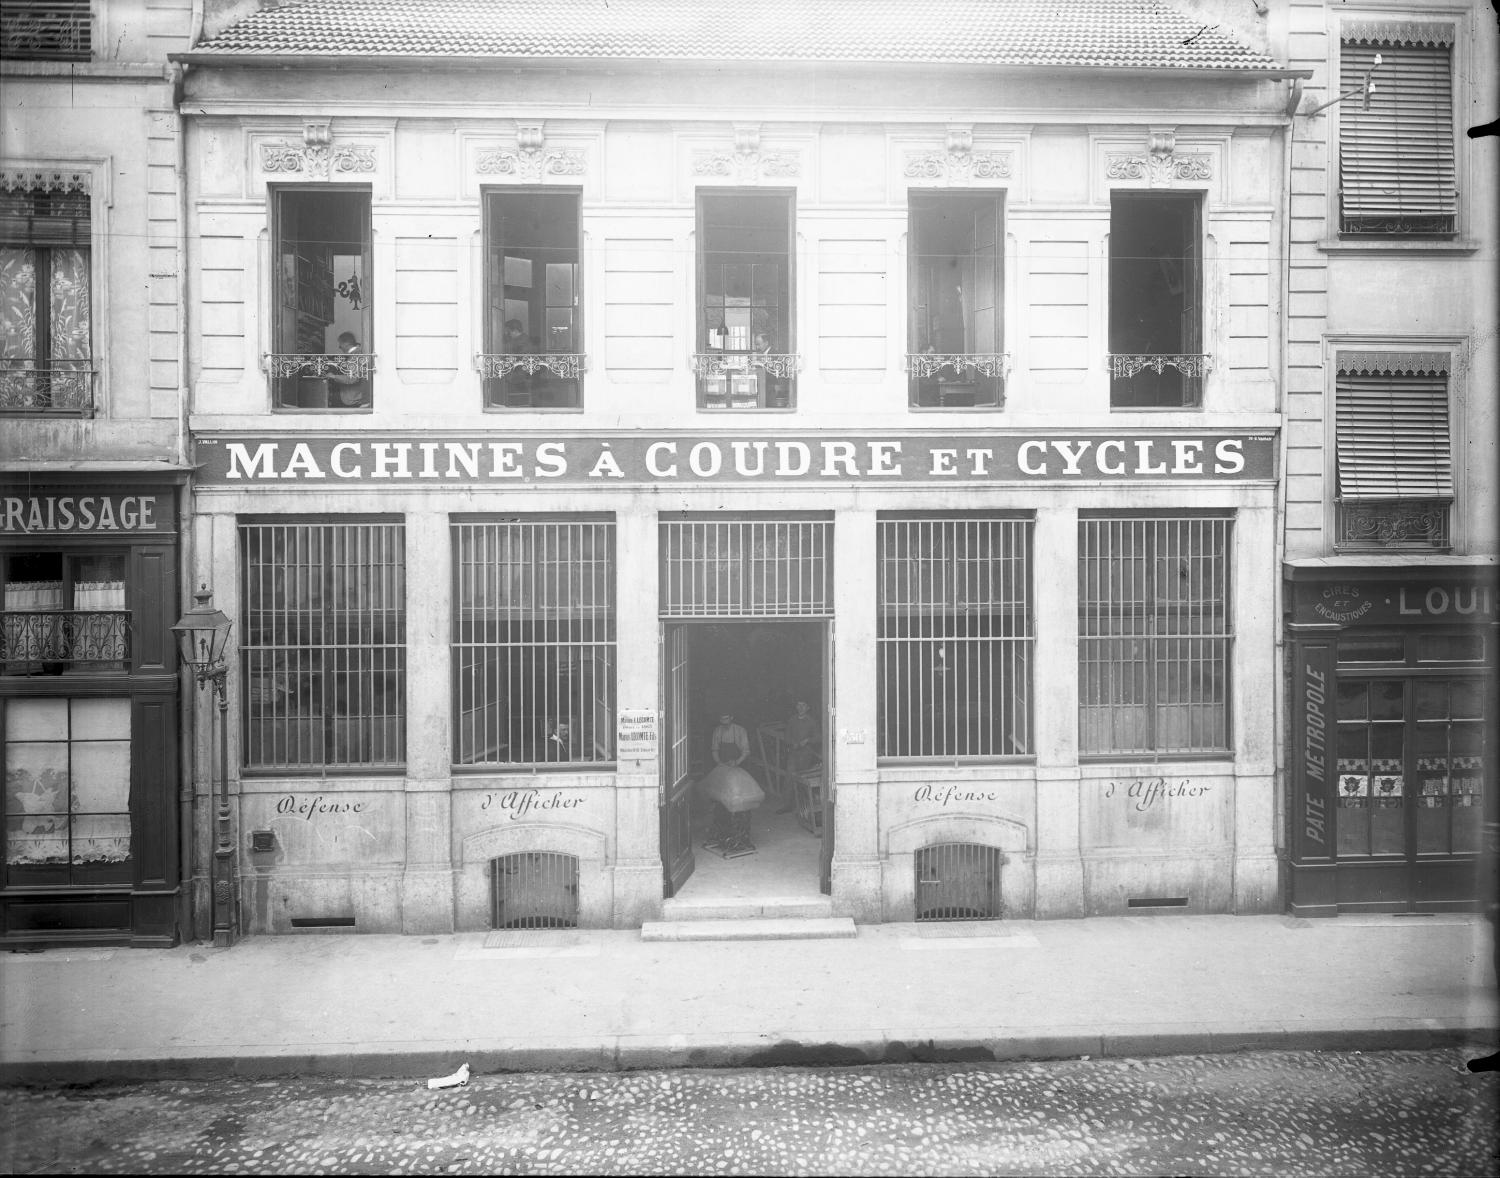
(1392, 426)
(1396, 155)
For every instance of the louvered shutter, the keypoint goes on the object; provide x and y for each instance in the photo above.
(1392, 426)
(1396, 155)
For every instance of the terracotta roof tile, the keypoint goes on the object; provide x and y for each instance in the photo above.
(1092, 33)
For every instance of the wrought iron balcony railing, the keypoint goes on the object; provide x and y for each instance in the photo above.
(31, 639)
(46, 30)
(280, 365)
(1190, 364)
(1402, 523)
(564, 365)
(960, 364)
(46, 386)
(778, 364)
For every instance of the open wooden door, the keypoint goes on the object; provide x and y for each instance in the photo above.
(676, 778)
(830, 716)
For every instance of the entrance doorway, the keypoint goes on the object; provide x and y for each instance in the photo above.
(756, 671)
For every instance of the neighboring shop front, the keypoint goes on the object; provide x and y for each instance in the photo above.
(474, 682)
(89, 709)
(1392, 753)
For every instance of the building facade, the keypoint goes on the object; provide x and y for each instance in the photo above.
(1391, 466)
(92, 472)
(554, 396)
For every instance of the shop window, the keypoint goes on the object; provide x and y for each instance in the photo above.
(955, 281)
(321, 321)
(1394, 454)
(533, 352)
(746, 355)
(1155, 632)
(67, 791)
(955, 636)
(63, 611)
(1156, 301)
(45, 30)
(1451, 751)
(534, 641)
(1397, 175)
(46, 335)
(752, 567)
(323, 652)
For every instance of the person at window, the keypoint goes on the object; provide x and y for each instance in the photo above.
(802, 735)
(516, 341)
(730, 745)
(518, 382)
(351, 389)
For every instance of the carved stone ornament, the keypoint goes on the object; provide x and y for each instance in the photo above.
(45, 180)
(531, 158)
(1161, 166)
(746, 163)
(958, 162)
(317, 157)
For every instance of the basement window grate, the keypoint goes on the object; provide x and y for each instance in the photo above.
(534, 889)
(958, 881)
(322, 922)
(1156, 902)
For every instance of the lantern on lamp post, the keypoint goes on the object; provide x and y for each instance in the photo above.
(202, 638)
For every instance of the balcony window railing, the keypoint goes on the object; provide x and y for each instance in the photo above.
(531, 380)
(1143, 379)
(314, 381)
(958, 380)
(46, 386)
(39, 641)
(746, 380)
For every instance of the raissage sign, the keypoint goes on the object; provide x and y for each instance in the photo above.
(322, 459)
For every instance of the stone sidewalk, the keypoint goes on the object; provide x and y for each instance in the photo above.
(373, 1005)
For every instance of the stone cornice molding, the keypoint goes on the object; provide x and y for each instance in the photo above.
(317, 157)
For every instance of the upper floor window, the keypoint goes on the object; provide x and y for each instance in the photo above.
(61, 611)
(45, 30)
(533, 330)
(1396, 154)
(324, 644)
(46, 351)
(1156, 300)
(1395, 466)
(746, 357)
(956, 281)
(321, 321)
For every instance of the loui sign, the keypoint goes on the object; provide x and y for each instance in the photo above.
(323, 459)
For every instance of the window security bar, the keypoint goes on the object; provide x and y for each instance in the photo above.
(564, 365)
(924, 364)
(958, 881)
(280, 365)
(534, 889)
(747, 568)
(1128, 364)
(40, 386)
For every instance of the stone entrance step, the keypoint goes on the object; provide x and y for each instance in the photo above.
(755, 929)
(680, 908)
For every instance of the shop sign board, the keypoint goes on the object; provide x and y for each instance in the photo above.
(1463, 596)
(75, 511)
(1313, 743)
(384, 459)
(635, 734)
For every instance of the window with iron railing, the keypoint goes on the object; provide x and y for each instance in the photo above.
(1394, 453)
(955, 350)
(1154, 634)
(46, 30)
(533, 354)
(956, 636)
(1156, 354)
(533, 640)
(63, 611)
(323, 646)
(321, 320)
(746, 357)
(1397, 161)
(46, 314)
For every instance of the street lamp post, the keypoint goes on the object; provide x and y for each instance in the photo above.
(202, 637)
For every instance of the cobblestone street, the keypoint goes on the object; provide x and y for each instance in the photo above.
(1273, 1113)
